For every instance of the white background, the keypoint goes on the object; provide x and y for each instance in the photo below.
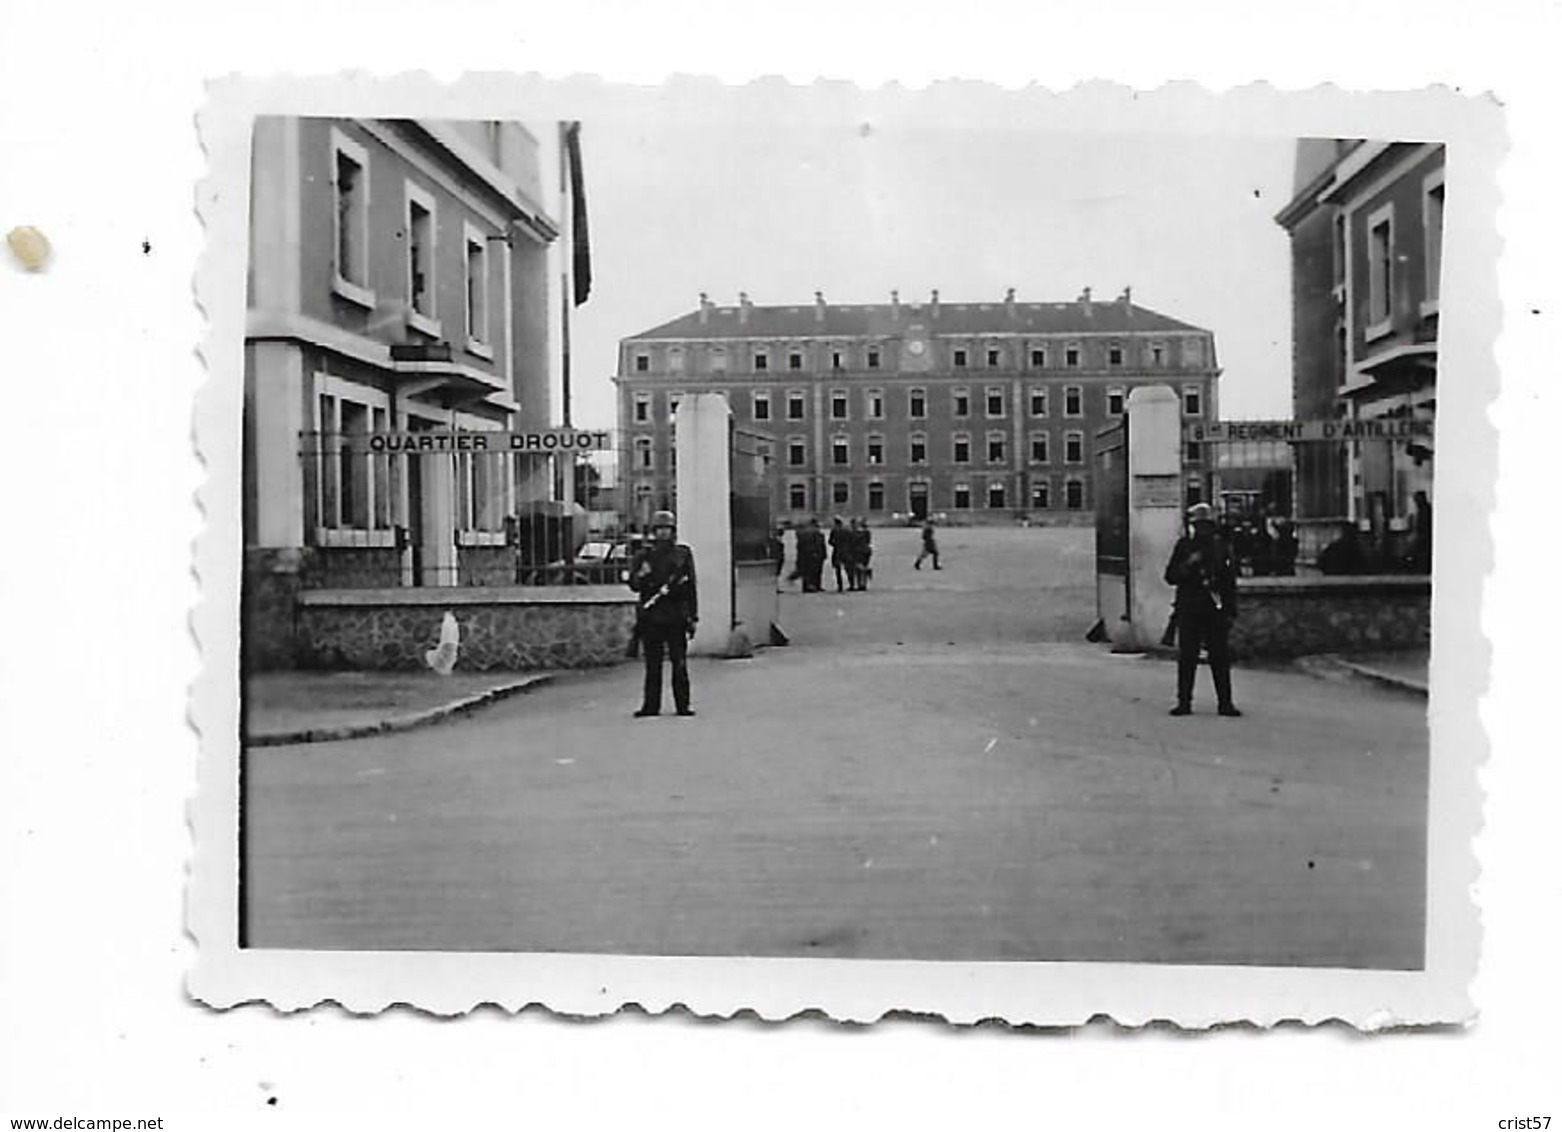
(97, 480)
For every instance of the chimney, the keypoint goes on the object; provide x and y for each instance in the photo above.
(1008, 302)
(894, 305)
(819, 306)
(705, 305)
(1084, 301)
(744, 306)
(934, 303)
(1127, 299)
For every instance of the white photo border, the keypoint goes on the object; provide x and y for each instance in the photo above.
(865, 990)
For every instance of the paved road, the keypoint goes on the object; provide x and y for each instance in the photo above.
(938, 769)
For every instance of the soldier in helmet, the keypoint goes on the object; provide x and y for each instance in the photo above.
(662, 573)
(1205, 575)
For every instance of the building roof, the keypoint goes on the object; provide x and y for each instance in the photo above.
(976, 319)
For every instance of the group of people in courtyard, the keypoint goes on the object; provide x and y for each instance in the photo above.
(848, 549)
(1263, 545)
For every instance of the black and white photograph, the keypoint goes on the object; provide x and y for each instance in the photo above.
(805, 566)
(859, 535)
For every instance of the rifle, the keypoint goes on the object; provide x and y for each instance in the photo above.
(662, 591)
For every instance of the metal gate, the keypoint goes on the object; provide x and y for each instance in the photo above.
(753, 559)
(1347, 496)
(440, 507)
(1110, 457)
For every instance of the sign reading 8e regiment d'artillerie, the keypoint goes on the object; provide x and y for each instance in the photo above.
(1377, 428)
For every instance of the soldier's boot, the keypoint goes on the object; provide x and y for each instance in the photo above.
(1222, 674)
(1186, 669)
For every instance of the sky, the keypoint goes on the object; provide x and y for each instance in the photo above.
(783, 210)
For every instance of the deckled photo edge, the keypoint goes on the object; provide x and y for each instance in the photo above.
(862, 990)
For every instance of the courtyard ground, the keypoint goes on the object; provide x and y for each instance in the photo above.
(940, 768)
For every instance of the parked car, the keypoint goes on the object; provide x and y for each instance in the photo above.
(596, 563)
(594, 552)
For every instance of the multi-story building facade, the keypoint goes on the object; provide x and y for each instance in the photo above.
(397, 284)
(980, 411)
(1366, 226)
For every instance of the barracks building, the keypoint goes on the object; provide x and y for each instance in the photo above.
(978, 412)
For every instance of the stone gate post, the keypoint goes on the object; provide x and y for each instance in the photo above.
(704, 511)
(1155, 511)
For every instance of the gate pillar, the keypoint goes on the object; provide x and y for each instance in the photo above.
(1155, 512)
(704, 512)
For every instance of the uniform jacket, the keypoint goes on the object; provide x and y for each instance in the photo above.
(810, 545)
(663, 576)
(1205, 576)
(840, 544)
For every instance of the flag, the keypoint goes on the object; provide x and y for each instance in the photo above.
(580, 252)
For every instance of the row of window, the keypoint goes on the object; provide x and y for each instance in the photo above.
(996, 496)
(962, 497)
(421, 259)
(348, 488)
(1385, 258)
(1039, 450)
(995, 402)
(1071, 356)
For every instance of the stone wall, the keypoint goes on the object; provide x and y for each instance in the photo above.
(351, 567)
(1284, 617)
(502, 629)
(272, 579)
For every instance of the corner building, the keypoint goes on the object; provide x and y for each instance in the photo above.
(398, 283)
(978, 412)
(1366, 232)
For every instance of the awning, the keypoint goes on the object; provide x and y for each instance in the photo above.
(430, 368)
(1401, 368)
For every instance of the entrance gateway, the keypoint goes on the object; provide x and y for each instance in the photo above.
(1150, 466)
(434, 506)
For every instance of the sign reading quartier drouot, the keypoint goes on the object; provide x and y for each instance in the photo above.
(545, 440)
(1379, 428)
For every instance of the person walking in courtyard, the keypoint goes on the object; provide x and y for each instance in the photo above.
(810, 557)
(776, 546)
(862, 553)
(840, 553)
(929, 546)
(662, 574)
(1202, 570)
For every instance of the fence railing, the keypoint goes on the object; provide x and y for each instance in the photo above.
(1336, 504)
(379, 519)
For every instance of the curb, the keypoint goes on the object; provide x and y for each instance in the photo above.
(1364, 671)
(1403, 683)
(399, 722)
